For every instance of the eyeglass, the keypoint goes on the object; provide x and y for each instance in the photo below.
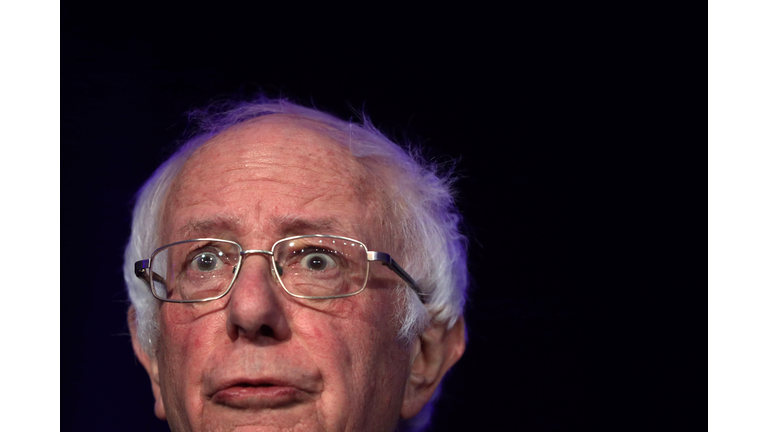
(307, 266)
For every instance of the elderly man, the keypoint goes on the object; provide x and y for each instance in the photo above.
(291, 271)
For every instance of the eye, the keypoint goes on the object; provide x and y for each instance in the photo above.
(317, 261)
(208, 261)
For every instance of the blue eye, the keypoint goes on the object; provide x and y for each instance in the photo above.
(317, 262)
(207, 261)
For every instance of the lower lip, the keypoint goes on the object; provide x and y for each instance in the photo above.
(254, 397)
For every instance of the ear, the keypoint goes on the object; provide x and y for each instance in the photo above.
(149, 363)
(434, 352)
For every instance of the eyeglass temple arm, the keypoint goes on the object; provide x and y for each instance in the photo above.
(140, 270)
(388, 262)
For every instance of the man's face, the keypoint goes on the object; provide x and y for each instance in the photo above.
(259, 359)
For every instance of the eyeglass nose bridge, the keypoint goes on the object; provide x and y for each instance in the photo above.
(255, 251)
(245, 253)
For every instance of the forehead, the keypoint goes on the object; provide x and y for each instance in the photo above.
(270, 170)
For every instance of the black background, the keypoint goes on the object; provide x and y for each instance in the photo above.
(575, 154)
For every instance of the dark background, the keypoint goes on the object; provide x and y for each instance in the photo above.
(575, 157)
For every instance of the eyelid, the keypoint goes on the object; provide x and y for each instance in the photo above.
(209, 247)
(194, 253)
(334, 257)
(339, 260)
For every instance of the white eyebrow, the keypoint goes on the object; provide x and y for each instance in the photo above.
(196, 228)
(293, 224)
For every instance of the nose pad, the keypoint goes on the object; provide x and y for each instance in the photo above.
(275, 273)
(279, 271)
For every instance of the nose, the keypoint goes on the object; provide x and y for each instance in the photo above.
(255, 311)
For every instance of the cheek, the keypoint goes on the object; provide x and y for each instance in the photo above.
(189, 336)
(354, 343)
(192, 328)
(347, 330)
(330, 333)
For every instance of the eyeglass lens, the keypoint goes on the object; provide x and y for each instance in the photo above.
(195, 270)
(321, 266)
(307, 266)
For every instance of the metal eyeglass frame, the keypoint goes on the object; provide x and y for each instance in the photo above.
(142, 267)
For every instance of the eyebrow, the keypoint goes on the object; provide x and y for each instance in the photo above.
(203, 227)
(293, 224)
(286, 225)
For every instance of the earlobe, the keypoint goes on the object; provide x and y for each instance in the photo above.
(435, 351)
(149, 363)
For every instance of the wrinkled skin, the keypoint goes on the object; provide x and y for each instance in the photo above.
(259, 359)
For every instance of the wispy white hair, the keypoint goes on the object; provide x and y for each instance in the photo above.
(421, 221)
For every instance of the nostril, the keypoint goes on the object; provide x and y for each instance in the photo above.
(267, 331)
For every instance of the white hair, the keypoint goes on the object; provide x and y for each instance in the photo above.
(420, 220)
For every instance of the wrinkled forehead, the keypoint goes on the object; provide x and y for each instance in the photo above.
(301, 142)
(282, 152)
